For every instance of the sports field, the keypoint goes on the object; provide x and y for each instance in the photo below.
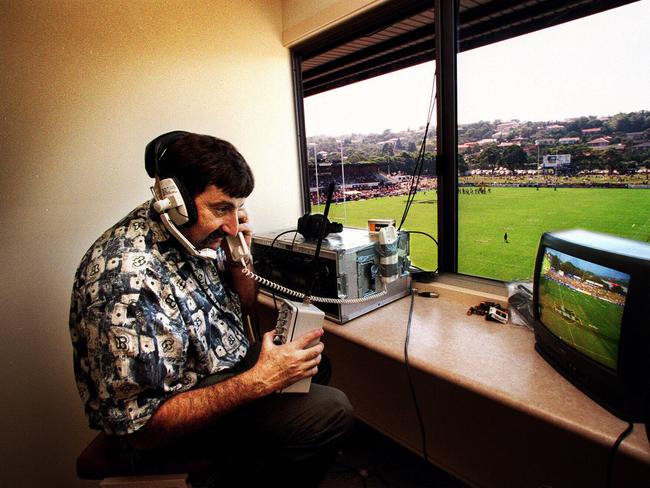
(589, 324)
(524, 213)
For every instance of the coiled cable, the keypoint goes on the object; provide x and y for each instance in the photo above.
(302, 296)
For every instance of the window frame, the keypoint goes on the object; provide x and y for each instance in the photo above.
(455, 31)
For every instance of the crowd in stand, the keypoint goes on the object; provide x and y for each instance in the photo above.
(374, 186)
(359, 188)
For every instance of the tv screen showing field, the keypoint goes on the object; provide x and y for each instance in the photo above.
(582, 303)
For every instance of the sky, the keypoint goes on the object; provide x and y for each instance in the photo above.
(598, 65)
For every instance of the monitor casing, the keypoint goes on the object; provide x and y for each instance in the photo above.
(623, 391)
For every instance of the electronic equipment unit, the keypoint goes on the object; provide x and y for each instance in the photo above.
(348, 267)
(294, 320)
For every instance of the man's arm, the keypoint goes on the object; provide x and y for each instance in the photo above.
(192, 410)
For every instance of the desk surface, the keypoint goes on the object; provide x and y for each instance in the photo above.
(490, 359)
(508, 407)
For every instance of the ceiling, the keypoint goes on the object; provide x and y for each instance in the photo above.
(401, 33)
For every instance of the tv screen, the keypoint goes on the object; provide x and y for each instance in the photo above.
(591, 307)
(582, 303)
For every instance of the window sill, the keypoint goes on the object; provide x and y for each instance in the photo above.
(495, 413)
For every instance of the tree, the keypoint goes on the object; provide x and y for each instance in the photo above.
(582, 157)
(478, 130)
(631, 122)
(555, 261)
(462, 165)
(613, 160)
(569, 268)
(429, 163)
(387, 149)
(356, 155)
(489, 157)
(514, 157)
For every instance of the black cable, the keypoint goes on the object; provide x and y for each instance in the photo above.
(294, 240)
(322, 231)
(424, 234)
(281, 234)
(415, 178)
(271, 250)
(430, 237)
(419, 164)
(612, 454)
(408, 375)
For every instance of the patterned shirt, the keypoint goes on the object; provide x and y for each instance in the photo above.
(147, 321)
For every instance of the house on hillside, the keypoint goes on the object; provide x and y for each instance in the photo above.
(568, 141)
(544, 141)
(485, 142)
(599, 142)
(635, 136)
(591, 132)
(467, 146)
(507, 127)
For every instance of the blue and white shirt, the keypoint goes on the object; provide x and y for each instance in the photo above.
(147, 321)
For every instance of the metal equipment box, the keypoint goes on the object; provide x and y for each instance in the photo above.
(348, 267)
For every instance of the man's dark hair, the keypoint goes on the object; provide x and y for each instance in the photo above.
(199, 161)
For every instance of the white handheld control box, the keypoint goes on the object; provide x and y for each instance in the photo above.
(294, 320)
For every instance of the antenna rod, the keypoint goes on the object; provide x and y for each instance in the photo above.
(321, 236)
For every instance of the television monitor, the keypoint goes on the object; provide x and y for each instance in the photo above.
(591, 301)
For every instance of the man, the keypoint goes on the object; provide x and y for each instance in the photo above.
(160, 353)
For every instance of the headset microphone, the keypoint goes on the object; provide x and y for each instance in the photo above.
(162, 207)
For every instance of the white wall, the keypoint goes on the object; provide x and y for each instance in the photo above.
(84, 86)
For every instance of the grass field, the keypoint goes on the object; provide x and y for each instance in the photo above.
(594, 327)
(524, 213)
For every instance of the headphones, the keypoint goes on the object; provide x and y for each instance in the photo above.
(170, 193)
(310, 226)
(172, 200)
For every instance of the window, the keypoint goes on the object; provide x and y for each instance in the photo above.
(361, 138)
(551, 136)
(381, 65)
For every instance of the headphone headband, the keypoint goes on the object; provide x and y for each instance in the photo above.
(155, 150)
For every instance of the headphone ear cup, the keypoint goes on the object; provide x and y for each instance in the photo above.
(191, 214)
(309, 226)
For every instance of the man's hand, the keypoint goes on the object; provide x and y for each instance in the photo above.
(280, 366)
(245, 226)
